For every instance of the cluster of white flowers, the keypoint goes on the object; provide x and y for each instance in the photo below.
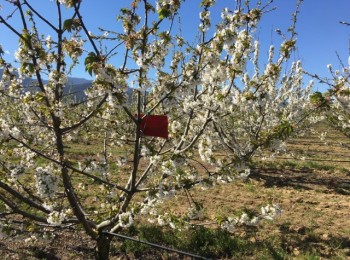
(46, 181)
(95, 167)
(30, 239)
(154, 55)
(32, 56)
(23, 56)
(56, 218)
(73, 47)
(56, 77)
(126, 219)
(243, 47)
(165, 193)
(5, 129)
(108, 81)
(175, 127)
(48, 42)
(189, 104)
(229, 224)
(323, 136)
(16, 173)
(344, 100)
(63, 2)
(107, 74)
(205, 20)
(148, 206)
(205, 149)
(339, 114)
(244, 174)
(194, 212)
(24, 162)
(67, 3)
(269, 212)
(145, 152)
(170, 5)
(168, 167)
(163, 220)
(155, 159)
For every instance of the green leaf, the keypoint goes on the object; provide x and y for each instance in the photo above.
(26, 38)
(89, 61)
(27, 67)
(89, 70)
(91, 58)
(67, 25)
(165, 36)
(207, 3)
(164, 13)
(31, 68)
(317, 99)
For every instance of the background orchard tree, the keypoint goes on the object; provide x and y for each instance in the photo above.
(335, 103)
(127, 173)
(251, 108)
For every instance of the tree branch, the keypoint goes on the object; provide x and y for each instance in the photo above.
(85, 119)
(69, 166)
(40, 16)
(17, 210)
(22, 198)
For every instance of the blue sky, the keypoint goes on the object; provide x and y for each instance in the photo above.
(320, 35)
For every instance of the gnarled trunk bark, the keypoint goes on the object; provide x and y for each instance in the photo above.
(103, 245)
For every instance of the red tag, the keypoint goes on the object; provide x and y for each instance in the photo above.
(155, 125)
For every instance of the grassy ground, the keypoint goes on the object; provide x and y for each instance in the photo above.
(311, 183)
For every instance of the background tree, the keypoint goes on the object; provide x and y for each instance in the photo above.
(334, 104)
(251, 108)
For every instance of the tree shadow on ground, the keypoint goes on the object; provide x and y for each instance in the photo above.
(27, 252)
(305, 179)
(41, 253)
(66, 244)
(302, 239)
(5, 250)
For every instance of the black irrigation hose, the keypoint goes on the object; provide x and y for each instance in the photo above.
(155, 245)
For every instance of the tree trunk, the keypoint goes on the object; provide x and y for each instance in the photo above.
(103, 244)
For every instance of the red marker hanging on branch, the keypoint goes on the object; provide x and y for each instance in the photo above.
(154, 125)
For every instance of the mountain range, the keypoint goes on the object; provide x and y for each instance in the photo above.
(75, 86)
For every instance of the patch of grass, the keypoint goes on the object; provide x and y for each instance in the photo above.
(319, 166)
(289, 163)
(344, 171)
(213, 243)
(312, 257)
(250, 187)
(206, 242)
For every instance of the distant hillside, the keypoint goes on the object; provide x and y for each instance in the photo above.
(75, 86)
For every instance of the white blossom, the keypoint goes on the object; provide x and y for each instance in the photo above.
(56, 218)
(46, 182)
(126, 219)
